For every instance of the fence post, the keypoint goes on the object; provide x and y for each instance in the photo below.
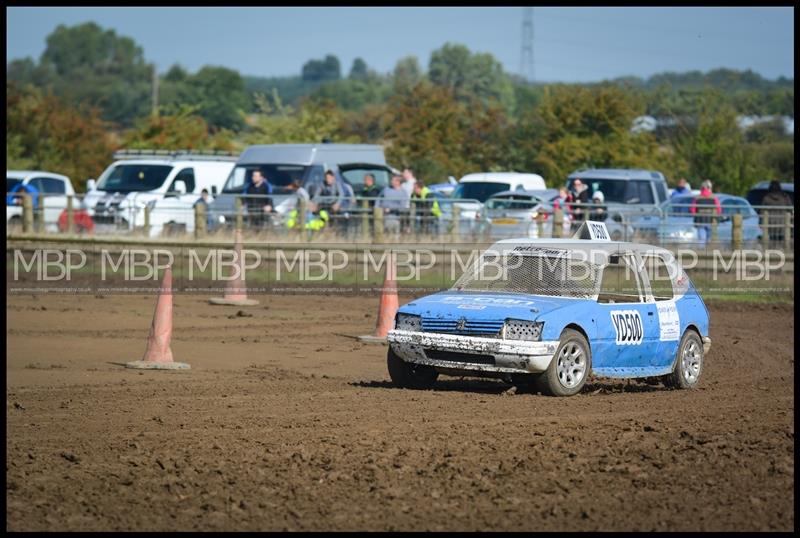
(765, 230)
(539, 225)
(199, 220)
(456, 218)
(365, 220)
(70, 215)
(558, 222)
(787, 230)
(146, 228)
(714, 231)
(239, 215)
(301, 218)
(377, 213)
(40, 213)
(736, 234)
(27, 213)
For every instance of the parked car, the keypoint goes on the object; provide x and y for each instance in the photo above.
(560, 310)
(480, 186)
(445, 189)
(514, 213)
(54, 187)
(675, 224)
(282, 164)
(169, 182)
(756, 194)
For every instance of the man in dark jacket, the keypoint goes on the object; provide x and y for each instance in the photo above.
(775, 217)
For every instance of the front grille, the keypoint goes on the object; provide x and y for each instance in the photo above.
(103, 219)
(452, 356)
(470, 327)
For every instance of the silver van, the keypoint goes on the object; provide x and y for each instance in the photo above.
(282, 164)
(625, 190)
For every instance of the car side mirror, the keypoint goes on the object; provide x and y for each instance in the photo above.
(179, 186)
(91, 185)
(214, 190)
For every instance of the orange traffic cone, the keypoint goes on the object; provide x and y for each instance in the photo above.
(388, 306)
(158, 355)
(235, 290)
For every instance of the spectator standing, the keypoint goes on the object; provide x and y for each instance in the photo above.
(598, 212)
(205, 199)
(682, 188)
(427, 207)
(394, 201)
(706, 208)
(580, 199)
(370, 189)
(409, 181)
(259, 205)
(775, 197)
(327, 196)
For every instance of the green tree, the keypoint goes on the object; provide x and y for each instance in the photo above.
(575, 127)
(321, 70)
(312, 121)
(184, 130)
(407, 74)
(86, 64)
(43, 132)
(479, 75)
(359, 69)
(221, 97)
(714, 149)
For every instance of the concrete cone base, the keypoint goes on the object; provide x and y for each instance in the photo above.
(232, 302)
(370, 339)
(152, 365)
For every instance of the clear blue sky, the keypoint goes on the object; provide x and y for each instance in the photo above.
(570, 44)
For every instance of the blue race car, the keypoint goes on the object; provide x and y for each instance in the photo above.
(549, 312)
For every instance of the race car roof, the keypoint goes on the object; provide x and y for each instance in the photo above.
(564, 247)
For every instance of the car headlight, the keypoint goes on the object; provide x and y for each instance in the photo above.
(517, 329)
(408, 322)
(222, 219)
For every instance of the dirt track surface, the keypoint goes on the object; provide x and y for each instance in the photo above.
(285, 423)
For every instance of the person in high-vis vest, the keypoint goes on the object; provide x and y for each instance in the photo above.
(313, 222)
(427, 209)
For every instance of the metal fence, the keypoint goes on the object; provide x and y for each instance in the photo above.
(378, 220)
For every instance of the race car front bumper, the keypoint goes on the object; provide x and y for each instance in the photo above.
(457, 352)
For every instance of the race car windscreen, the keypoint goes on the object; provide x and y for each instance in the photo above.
(557, 276)
(478, 190)
(280, 176)
(133, 177)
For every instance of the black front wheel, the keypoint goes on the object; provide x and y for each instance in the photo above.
(408, 375)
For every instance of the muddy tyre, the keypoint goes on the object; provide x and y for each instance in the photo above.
(688, 364)
(570, 368)
(408, 375)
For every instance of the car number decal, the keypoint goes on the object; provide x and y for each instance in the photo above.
(627, 326)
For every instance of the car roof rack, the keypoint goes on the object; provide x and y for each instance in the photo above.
(176, 155)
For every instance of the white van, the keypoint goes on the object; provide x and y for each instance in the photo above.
(480, 186)
(168, 182)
